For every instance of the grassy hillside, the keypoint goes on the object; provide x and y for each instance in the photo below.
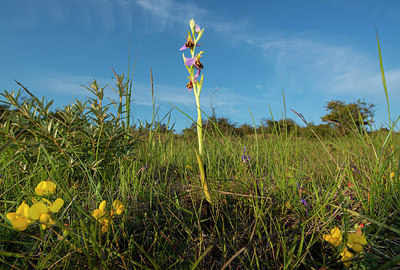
(276, 197)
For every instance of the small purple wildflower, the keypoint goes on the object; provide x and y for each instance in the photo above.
(303, 202)
(245, 158)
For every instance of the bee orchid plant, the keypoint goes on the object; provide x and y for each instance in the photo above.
(194, 67)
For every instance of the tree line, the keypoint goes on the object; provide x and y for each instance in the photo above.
(341, 118)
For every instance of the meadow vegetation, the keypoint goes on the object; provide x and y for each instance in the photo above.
(274, 205)
(82, 188)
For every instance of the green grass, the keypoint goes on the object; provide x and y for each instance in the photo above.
(256, 221)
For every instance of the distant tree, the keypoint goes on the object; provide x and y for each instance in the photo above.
(214, 125)
(163, 128)
(245, 129)
(220, 124)
(281, 126)
(321, 130)
(189, 132)
(347, 117)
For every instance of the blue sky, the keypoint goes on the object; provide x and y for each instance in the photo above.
(316, 51)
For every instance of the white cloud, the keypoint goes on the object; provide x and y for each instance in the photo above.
(162, 93)
(317, 65)
(59, 85)
(109, 14)
(165, 13)
(393, 81)
(169, 13)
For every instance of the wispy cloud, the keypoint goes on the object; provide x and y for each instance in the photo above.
(316, 65)
(163, 93)
(166, 13)
(59, 86)
(109, 14)
(227, 101)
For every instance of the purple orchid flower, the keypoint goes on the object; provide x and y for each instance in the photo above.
(195, 61)
(190, 61)
(190, 83)
(189, 44)
(189, 86)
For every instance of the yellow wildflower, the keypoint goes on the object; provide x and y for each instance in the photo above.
(346, 257)
(356, 240)
(53, 207)
(45, 188)
(20, 219)
(56, 205)
(335, 238)
(118, 206)
(41, 212)
(101, 215)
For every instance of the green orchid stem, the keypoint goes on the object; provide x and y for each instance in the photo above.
(199, 126)
(200, 154)
(203, 178)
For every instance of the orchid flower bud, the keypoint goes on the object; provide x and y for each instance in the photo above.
(192, 25)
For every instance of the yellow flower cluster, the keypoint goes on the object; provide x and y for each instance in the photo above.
(45, 188)
(335, 238)
(346, 257)
(40, 211)
(355, 241)
(20, 220)
(103, 217)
